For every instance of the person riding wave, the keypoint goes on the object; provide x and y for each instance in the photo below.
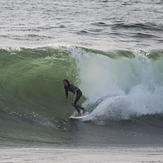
(77, 94)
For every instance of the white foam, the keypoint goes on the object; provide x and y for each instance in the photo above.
(127, 86)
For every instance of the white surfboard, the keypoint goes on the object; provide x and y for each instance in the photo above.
(80, 117)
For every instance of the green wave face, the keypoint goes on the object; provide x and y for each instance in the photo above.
(33, 78)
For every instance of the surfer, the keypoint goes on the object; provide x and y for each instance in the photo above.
(77, 94)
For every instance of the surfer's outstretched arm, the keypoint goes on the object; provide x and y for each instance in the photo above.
(66, 92)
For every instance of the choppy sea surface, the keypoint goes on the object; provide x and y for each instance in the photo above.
(99, 24)
(111, 49)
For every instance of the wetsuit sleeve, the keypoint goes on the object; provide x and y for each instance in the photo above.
(66, 92)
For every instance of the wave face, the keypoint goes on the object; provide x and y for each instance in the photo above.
(117, 85)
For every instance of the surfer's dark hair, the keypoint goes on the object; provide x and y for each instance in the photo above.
(66, 81)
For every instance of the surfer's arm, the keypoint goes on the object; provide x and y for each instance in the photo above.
(66, 92)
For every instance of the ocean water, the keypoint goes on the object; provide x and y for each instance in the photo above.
(112, 50)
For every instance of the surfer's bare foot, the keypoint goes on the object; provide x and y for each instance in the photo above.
(85, 110)
(78, 115)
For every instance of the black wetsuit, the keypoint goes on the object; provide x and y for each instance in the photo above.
(77, 94)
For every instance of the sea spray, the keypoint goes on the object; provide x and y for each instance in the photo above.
(124, 86)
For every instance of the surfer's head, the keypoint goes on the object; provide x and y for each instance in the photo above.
(66, 83)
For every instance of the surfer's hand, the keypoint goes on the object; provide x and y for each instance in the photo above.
(66, 100)
(72, 103)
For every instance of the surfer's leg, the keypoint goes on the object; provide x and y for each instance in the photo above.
(79, 94)
(77, 108)
(80, 107)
